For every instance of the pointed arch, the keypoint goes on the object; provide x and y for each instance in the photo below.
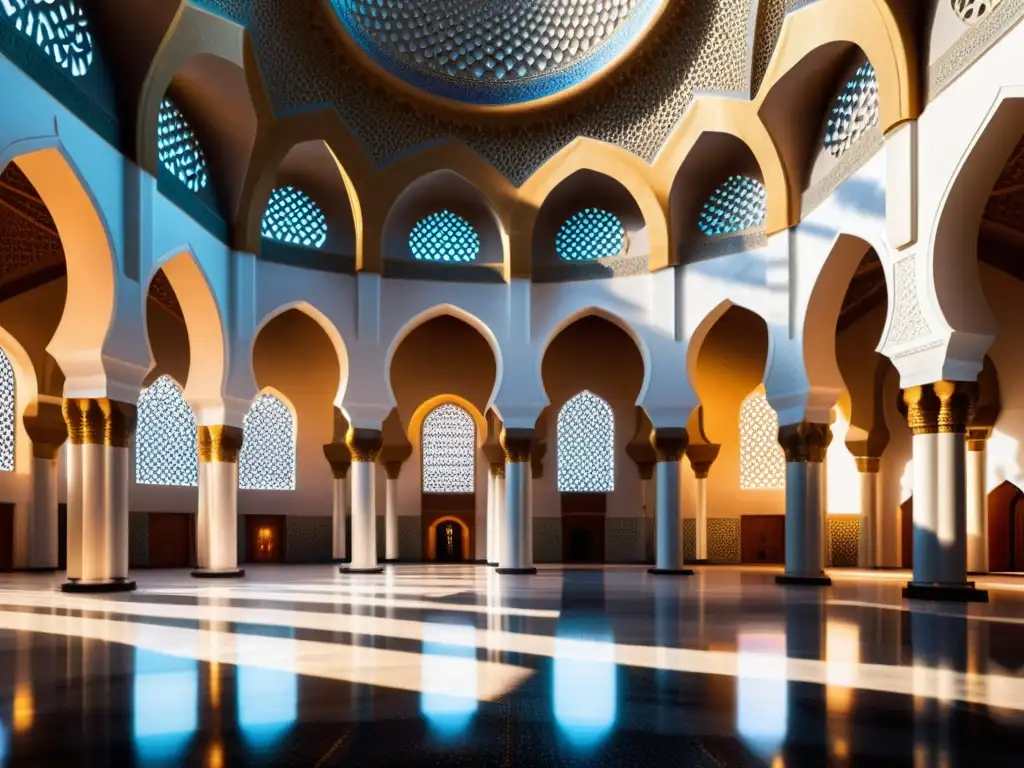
(586, 445)
(267, 461)
(166, 440)
(699, 335)
(448, 442)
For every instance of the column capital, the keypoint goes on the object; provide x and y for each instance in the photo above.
(517, 444)
(868, 464)
(364, 444)
(977, 437)
(339, 457)
(669, 443)
(805, 442)
(100, 421)
(44, 422)
(702, 456)
(498, 469)
(219, 442)
(944, 406)
(393, 469)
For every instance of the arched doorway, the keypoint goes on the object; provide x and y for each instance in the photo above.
(1006, 528)
(448, 540)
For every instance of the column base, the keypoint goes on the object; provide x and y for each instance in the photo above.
(949, 593)
(670, 571)
(378, 569)
(493, 565)
(203, 573)
(339, 560)
(803, 581)
(516, 571)
(391, 560)
(95, 587)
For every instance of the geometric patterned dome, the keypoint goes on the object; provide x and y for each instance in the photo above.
(494, 51)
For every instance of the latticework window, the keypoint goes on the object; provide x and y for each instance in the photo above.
(267, 460)
(58, 27)
(7, 411)
(762, 461)
(178, 148)
(738, 204)
(449, 450)
(590, 234)
(972, 11)
(854, 113)
(292, 217)
(586, 445)
(444, 236)
(166, 452)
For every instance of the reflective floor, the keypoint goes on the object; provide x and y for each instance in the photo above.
(454, 665)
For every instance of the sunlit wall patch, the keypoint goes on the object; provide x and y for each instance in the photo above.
(592, 233)
(444, 236)
(292, 217)
(178, 148)
(739, 203)
(59, 27)
(495, 51)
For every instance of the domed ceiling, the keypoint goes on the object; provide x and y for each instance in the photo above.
(494, 51)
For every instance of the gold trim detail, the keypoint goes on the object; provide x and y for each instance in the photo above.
(498, 470)
(669, 444)
(517, 444)
(956, 405)
(805, 442)
(364, 444)
(219, 442)
(922, 409)
(870, 464)
(100, 421)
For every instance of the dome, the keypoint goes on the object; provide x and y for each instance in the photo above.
(493, 52)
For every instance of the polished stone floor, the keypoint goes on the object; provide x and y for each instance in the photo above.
(455, 665)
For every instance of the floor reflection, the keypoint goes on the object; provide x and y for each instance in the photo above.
(165, 702)
(449, 697)
(267, 698)
(762, 693)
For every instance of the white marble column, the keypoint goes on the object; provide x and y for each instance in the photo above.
(217, 524)
(516, 555)
(805, 445)
(391, 512)
(500, 519)
(35, 521)
(977, 504)
(340, 459)
(701, 517)
(492, 490)
(938, 414)
(870, 510)
(73, 469)
(669, 448)
(365, 445)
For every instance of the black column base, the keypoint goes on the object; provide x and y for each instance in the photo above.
(339, 560)
(200, 573)
(803, 581)
(357, 571)
(516, 571)
(948, 593)
(670, 571)
(97, 587)
(493, 565)
(391, 560)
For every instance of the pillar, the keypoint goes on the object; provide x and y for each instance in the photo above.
(495, 511)
(100, 431)
(217, 522)
(870, 510)
(700, 472)
(35, 524)
(804, 445)
(340, 459)
(392, 468)
(938, 415)
(977, 500)
(364, 445)
(669, 446)
(516, 537)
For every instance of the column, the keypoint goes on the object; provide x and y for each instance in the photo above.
(938, 415)
(392, 468)
(870, 514)
(498, 478)
(516, 553)
(977, 500)
(669, 446)
(35, 528)
(340, 459)
(700, 472)
(804, 445)
(217, 522)
(365, 445)
(100, 432)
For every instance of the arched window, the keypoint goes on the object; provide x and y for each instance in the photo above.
(586, 445)
(590, 234)
(58, 27)
(178, 148)
(449, 450)
(166, 452)
(855, 111)
(972, 11)
(738, 204)
(444, 236)
(7, 413)
(292, 217)
(762, 461)
(267, 460)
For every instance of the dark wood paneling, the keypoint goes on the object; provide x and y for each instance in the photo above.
(449, 503)
(1003, 502)
(1018, 537)
(907, 533)
(271, 551)
(763, 539)
(6, 537)
(62, 536)
(583, 538)
(584, 503)
(171, 540)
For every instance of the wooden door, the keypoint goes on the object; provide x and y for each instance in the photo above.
(907, 533)
(171, 540)
(763, 539)
(6, 537)
(62, 536)
(583, 527)
(1003, 502)
(1018, 537)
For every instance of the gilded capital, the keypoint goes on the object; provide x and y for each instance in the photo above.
(922, 409)
(498, 469)
(956, 404)
(364, 444)
(806, 441)
(669, 444)
(340, 459)
(868, 464)
(517, 444)
(100, 421)
(219, 442)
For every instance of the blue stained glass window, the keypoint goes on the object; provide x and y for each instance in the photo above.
(58, 27)
(590, 234)
(738, 204)
(444, 236)
(854, 113)
(292, 217)
(178, 148)
(7, 413)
